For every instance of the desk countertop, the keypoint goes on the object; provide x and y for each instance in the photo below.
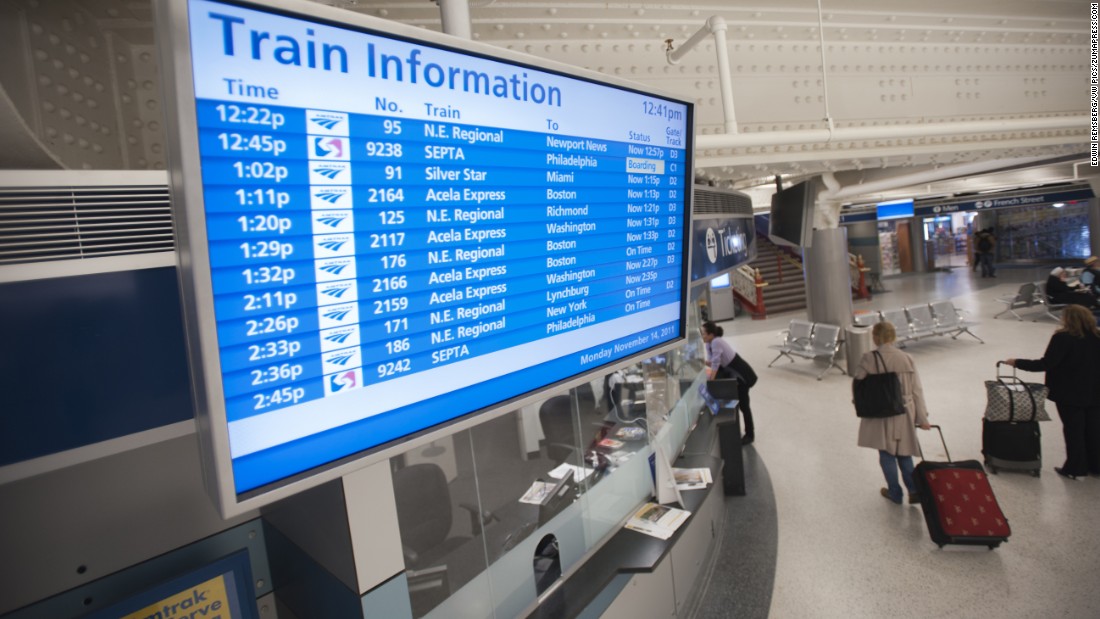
(629, 551)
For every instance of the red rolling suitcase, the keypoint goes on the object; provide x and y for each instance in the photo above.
(958, 503)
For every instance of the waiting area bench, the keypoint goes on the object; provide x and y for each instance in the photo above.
(1031, 294)
(810, 340)
(918, 321)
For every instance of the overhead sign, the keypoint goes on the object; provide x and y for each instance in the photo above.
(720, 244)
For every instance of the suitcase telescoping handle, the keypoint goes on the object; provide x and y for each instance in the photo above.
(1013, 377)
(940, 430)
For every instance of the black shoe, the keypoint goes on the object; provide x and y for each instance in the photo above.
(1063, 473)
(747, 439)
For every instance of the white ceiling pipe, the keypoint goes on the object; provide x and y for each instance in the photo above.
(455, 17)
(890, 132)
(715, 25)
(919, 178)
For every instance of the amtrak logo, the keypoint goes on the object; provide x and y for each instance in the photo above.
(330, 196)
(327, 123)
(342, 361)
(328, 148)
(340, 337)
(343, 291)
(331, 221)
(330, 173)
(332, 269)
(338, 316)
(712, 245)
(332, 316)
(334, 245)
(327, 222)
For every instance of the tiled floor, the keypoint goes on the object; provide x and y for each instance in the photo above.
(843, 550)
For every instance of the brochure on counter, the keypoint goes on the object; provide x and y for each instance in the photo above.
(692, 479)
(659, 521)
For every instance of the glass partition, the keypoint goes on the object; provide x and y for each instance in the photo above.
(474, 507)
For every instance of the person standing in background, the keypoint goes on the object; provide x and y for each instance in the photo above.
(986, 245)
(724, 362)
(894, 437)
(1072, 366)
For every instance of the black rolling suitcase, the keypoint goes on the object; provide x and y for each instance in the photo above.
(958, 503)
(1015, 443)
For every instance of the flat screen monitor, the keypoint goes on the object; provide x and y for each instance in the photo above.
(894, 209)
(384, 231)
(722, 281)
(791, 221)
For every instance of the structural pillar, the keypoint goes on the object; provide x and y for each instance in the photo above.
(828, 278)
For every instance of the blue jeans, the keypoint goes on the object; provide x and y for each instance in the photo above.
(890, 465)
(986, 261)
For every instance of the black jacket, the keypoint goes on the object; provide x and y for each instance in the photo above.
(1073, 369)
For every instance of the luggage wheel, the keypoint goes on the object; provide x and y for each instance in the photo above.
(992, 469)
(994, 546)
(1036, 473)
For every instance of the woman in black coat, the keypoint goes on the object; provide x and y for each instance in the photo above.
(1072, 366)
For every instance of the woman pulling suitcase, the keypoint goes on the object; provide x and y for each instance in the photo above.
(894, 437)
(1072, 364)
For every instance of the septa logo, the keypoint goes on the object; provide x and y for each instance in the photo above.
(333, 269)
(330, 196)
(329, 173)
(341, 360)
(343, 291)
(326, 123)
(340, 337)
(328, 245)
(338, 315)
(344, 381)
(324, 147)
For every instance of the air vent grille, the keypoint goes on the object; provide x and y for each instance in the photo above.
(710, 201)
(39, 224)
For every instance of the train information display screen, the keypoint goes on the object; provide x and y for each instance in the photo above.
(383, 232)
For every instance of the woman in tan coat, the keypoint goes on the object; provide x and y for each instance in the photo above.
(894, 437)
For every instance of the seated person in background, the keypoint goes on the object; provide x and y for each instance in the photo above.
(1090, 277)
(1062, 293)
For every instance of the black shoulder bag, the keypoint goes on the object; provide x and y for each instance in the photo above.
(878, 395)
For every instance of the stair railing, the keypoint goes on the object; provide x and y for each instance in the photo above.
(793, 260)
(858, 273)
(748, 287)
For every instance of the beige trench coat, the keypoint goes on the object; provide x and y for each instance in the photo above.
(896, 434)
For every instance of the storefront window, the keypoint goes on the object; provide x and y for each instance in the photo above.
(1043, 232)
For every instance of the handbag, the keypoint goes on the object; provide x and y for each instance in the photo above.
(878, 395)
(1015, 400)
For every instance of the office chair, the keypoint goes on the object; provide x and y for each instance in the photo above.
(556, 417)
(425, 513)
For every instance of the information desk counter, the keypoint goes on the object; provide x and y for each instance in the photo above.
(631, 575)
